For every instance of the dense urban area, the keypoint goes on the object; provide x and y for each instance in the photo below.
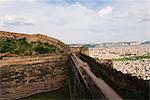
(129, 59)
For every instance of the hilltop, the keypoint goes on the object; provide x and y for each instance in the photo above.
(108, 44)
(25, 44)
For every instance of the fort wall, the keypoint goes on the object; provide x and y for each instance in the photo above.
(22, 76)
(78, 50)
(126, 85)
(26, 76)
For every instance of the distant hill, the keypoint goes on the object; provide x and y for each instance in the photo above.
(146, 42)
(92, 45)
(89, 45)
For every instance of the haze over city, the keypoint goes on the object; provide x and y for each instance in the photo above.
(79, 21)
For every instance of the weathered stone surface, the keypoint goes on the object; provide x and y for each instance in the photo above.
(30, 77)
(78, 50)
(27, 75)
(129, 87)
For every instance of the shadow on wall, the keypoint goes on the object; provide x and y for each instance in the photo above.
(129, 87)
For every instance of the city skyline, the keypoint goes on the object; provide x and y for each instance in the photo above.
(79, 21)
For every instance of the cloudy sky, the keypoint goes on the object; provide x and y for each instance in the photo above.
(79, 21)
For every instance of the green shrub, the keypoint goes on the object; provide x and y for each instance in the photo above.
(22, 47)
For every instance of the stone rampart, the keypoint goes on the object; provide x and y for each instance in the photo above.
(78, 50)
(24, 76)
(129, 87)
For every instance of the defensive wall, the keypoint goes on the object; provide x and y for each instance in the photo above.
(127, 86)
(79, 50)
(86, 85)
(22, 76)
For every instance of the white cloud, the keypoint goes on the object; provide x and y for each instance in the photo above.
(75, 23)
(17, 20)
(105, 11)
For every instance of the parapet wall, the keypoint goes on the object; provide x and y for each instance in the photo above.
(21, 77)
(127, 86)
(86, 85)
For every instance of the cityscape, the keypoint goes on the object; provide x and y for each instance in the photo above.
(137, 64)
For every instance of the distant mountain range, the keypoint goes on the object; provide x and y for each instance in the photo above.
(146, 42)
(92, 45)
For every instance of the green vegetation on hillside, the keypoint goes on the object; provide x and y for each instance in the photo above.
(22, 47)
(132, 58)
